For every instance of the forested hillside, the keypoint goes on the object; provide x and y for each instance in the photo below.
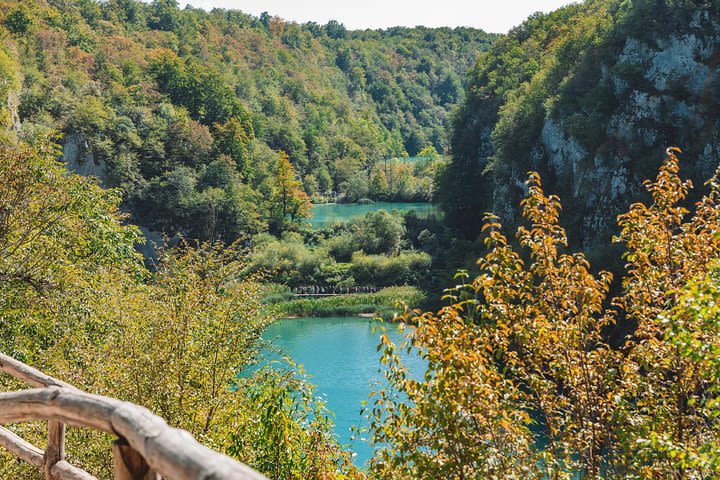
(557, 358)
(590, 96)
(195, 115)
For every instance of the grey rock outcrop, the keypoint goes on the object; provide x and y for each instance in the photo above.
(79, 159)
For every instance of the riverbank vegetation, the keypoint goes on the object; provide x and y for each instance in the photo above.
(394, 180)
(370, 251)
(383, 303)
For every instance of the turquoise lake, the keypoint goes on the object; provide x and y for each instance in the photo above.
(325, 213)
(340, 355)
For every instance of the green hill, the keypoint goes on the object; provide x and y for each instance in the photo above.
(186, 110)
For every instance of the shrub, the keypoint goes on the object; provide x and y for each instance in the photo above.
(521, 381)
(378, 232)
(289, 261)
(407, 268)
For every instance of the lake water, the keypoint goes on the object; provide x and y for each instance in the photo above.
(325, 213)
(340, 354)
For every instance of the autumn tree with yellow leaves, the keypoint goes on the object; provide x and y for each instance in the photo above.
(289, 202)
(521, 380)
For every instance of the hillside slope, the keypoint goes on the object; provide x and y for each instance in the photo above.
(590, 96)
(186, 110)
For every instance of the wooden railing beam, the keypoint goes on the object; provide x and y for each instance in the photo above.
(28, 374)
(23, 450)
(148, 447)
(32, 455)
(170, 452)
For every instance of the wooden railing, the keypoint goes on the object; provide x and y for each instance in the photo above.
(146, 447)
(321, 291)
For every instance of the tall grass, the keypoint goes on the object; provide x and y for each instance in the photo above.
(384, 303)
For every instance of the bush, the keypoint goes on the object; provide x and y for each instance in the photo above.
(521, 381)
(289, 261)
(407, 268)
(341, 247)
(378, 232)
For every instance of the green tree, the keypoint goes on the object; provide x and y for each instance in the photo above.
(355, 188)
(165, 15)
(287, 431)
(53, 223)
(233, 138)
(335, 29)
(18, 21)
(429, 152)
(379, 232)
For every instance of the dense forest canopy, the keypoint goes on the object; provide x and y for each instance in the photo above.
(190, 112)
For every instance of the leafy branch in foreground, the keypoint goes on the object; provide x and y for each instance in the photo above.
(520, 380)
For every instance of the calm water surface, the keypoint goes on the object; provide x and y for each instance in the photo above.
(325, 213)
(340, 354)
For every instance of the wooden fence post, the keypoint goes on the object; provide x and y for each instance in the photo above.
(129, 465)
(55, 449)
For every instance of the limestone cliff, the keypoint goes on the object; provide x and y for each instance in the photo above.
(596, 114)
(79, 157)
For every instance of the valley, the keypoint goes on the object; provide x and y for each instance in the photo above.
(204, 213)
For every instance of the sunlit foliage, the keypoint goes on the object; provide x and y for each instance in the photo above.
(285, 429)
(289, 203)
(150, 94)
(77, 302)
(521, 380)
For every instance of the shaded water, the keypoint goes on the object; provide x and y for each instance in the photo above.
(325, 213)
(340, 354)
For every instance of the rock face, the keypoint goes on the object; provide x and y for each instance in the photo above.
(598, 125)
(153, 241)
(79, 158)
(673, 103)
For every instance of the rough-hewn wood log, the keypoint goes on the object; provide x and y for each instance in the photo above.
(129, 464)
(52, 403)
(55, 449)
(29, 375)
(64, 471)
(25, 451)
(168, 451)
(34, 456)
